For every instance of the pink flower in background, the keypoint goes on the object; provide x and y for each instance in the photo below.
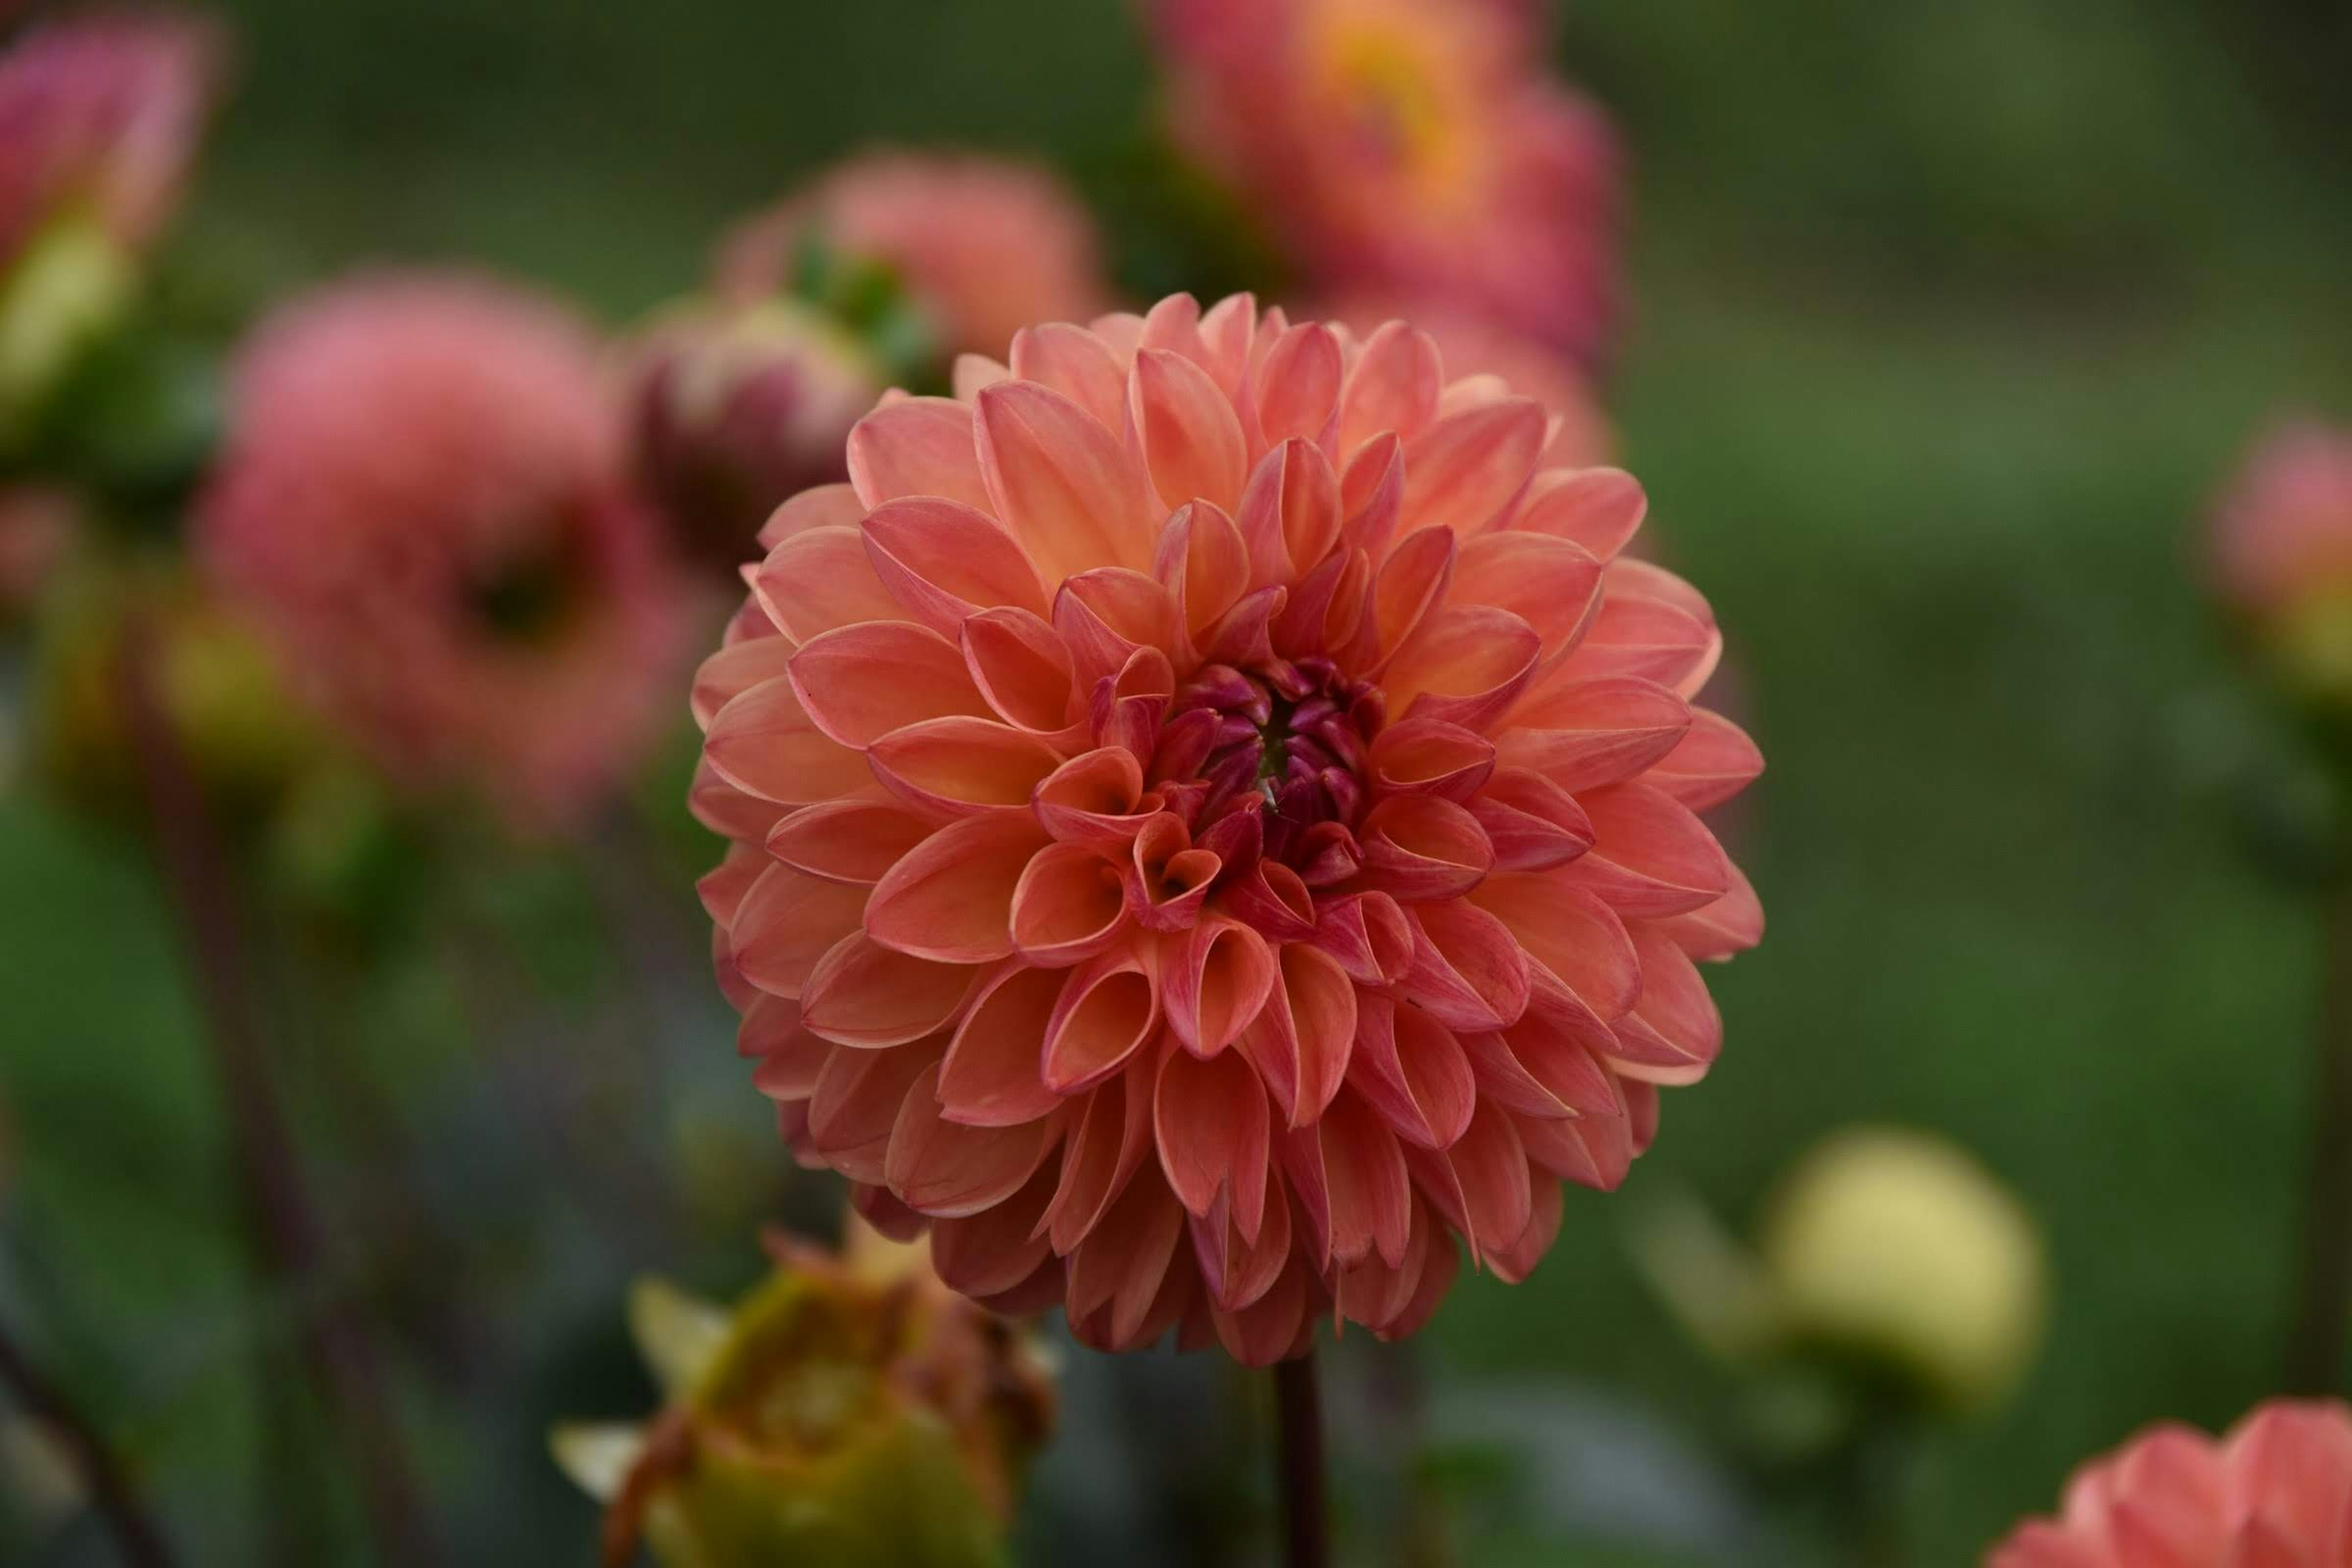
(1581, 435)
(985, 246)
(1213, 825)
(100, 116)
(1408, 146)
(2275, 1493)
(36, 530)
(423, 499)
(2285, 527)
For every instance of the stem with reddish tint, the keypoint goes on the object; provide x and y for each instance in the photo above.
(1298, 1458)
(103, 1477)
(2324, 1301)
(284, 1231)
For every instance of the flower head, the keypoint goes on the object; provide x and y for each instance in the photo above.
(1473, 345)
(1215, 823)
(2277, 1491)
(851, 1410)
(982, 246)
(422, 501)
(1408, 145)
(2282, 551)
(735, 408)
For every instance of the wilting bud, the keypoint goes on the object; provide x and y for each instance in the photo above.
(2283, 561)
(737, 408)
(1897, 1248)
(213, 684)
(850, 1411)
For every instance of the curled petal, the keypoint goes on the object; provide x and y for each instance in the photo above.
(917, 446)
(1021, 668)
(1302, 1041)
(764, 743)
(1108, 1008)
(951, 898)
(1209, 1123)
(1104, 617)
(1714, 762)
(1167, 880)
(859, 683)
(1673, 1032)
(1732, 924)
(946, 1170)
(846, 840)
(1466, 468)
(786, 921)
(1095, 799)
(1430, 756)
(1076, 364)
(961, 767)
(1410, 1068)
(1271, 1328)
(819, 506)
(734, 669)
(990, 1078)
(1114, 1133)
(942, 561)
(1533, 823)
(1191, 438)
(1394, 386)
(1552, 585)
(1468, 970)
(1060, 482)
(1272, 899)
(1367, 936)
(1204, 564)
(1420, 846)
(1068, 905)
(864, 994)
(1584, 733)
(1213, 980)
(820, 581)
(1326, 611)
(1650, 855)
(1466, 665)
(1299, 384)
(1599, 509)
(856, 1103)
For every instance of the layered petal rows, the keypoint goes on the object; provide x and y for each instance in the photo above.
(1215, 826)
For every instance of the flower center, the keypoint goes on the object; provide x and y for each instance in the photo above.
(1290, 739)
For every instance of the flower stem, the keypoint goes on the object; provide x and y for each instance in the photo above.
(2324, 1299)
(103, 1477)
(1300, 1475)
(284, 1231)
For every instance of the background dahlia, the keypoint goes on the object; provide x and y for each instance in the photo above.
(423, 502)
(2277, 1491)
(2282, 554)
(1215, 826)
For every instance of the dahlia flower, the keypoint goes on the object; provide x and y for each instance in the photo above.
(735, 408)
(2281, 549)
(422, 501)
(1473, 345)
(849, 1411)
(2275, 1493)
(982, 246)
(1215, 823)
(1415, 146)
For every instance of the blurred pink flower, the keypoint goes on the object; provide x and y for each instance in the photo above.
(423, 497)
(100, 116)
(1474, 346)
(36, 530)
(1408, 146)
(985, 245)
(2275, 1493)
(1213, 823)
(2284, 530)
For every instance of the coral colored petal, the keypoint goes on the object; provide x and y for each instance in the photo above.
(1191, 438)
(1647, 639)
(765, 743)
(1094, 799)
(1466, 665)
(990, 1078)
(861, 682)
(1076, 364)
(1062, 483)
(943, 561)
(1104, 615)
(846, 840)
(1584, 733)
(1468, 971)
(994, 1250)
(863, 993)
(1364, 1181)
(1411, 585)
(951, 898)
(1429, 756)
(1371, 495)
(1290, 515)
(1113, 1135)
(1126, 1259)
(1068, 905)
(820, 581)
(972, 371)
(962, 766)
(1650, 855)
(1299, 384)
(821, 506)
(1410, 1068)
(1571, 932)
(1550, 583)
(1167, 880)
(728, 811)
(1368, 935)
(856, 1102)
(1213, 980)
(786, 923)
(1713, 763)
(1732, 924)
(1420, 846)
(1209, 1123)
(1204, 564)
(1022, 669)
(1394, 386)
(946, 1170)
(1466, 468)
(1109, 1008)
(917, 446)
(1599, 509)
(1533, 823)
(734, 669)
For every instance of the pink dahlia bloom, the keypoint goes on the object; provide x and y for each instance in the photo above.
(1215, 826)
(1415, 146)
(985, 246)
(99, 117)
(423, 499)
(2275, 1493)
(2284, 531)
(1472, 345)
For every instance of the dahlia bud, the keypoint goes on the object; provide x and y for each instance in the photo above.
(851, 1411)
(1899, 1250)
(2283, 557)
(736, 409)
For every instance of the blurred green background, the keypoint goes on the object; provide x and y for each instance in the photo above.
(1947, 323)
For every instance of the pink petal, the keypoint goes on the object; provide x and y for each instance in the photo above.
(951, 898)
(1647, 639)
(1299, 384)
(1550, 583)
(1095, 799)
(961, 767)
(1367, 936)
(1076, 364)
(990, 1078)
(1584, 733)
(1713, 763)
(1125, 1261)
(1464, 469)
(1213, 980)
(765, 743)
(1204, 564)
(993, 1251)
(970, 373)
(861, 682)
(1673, 1032)
(1290, 515)
(1393, 387)
(1364, 1182)
(846, 840)
(1411, 586)
(856, 1103)
(1239, 1269)
(1650, 855)
(863, 993)
(1571, 932)
(1418, 846)
(1191, 438)
(1468, 972)
(1167, 880)
(819, 506)
(1532, 823)
(1599, 509)
(1108, 1008)
(1466, 665)
(820, 581)
(1408, 1067)
(1104, 615)
(942, 561)
(917, 446)
(1371, 495)
(1732, 924)
(1069, 905)
(1063, 484)
(1021, 668)
(734, 669)
(1302, 1042)
(939, 1168)
(1209, 1119)
(1114, 1133)
(786, 921)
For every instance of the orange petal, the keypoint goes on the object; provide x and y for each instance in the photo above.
(1647, 639)
(1468, 969)
(819, 581)
(863, 993)
(1022, 668)
(1125, 1261)
(1191, 438)
(819, 506)
(1108, 1010)
(1532, 823)
(786, 921)
(846, 840)
(1204, 564)
(1076, 364)
(861, 682)
(1209, 1120)
(1650, 855)
(1095, 799)
(1367, 936)
(1068, 905)
(1214, 979)
(1570, 933)
(962, 766)
(1714, 762)
(1599, 509)
(1410, 1068)
(1550, 583)
(1290, 516)
(1466, 468)
(1429, 756)
(951, 898)
(1584, 733)
(993, 1251)
(1732, 924)
(1364, 1183)
(1298, 385)
(734, 669)
(917, 446)
(1239, 1269)
(765, 743)
(856, 1102)
(1167, 880)
(969, 373)
(943, 561)
(1104, 615)
(728, 811)
(1371, 495)
(1114, 1133)
(989, 1078)
(1411, 586)
(1420, 846)
(1394, 386)
(1673, 1032)
(1514, 1263)
(1466, 665)
(1490, 1169)
(942, 1168)
(1060, 482)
